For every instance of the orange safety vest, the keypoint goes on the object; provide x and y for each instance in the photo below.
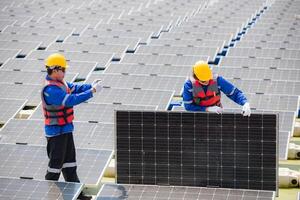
(57, 115)
(212, 97)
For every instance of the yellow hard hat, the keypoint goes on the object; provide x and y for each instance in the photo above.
(202, 71)
(56, 59)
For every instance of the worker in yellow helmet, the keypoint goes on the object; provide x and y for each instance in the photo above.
(202, 91)
(58, 98)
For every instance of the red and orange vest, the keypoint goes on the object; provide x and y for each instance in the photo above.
(212, 96)
(57, 115)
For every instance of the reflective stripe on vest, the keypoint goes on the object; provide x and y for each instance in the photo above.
(57, 115)
(212, 97)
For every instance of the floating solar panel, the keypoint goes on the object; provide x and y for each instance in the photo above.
(270, 38)
(267, 102)
(177, 50)
(260, 62)
(144, 36)
(158, 98)
(10, 107)
(165, 23)
(5, 54)
(25, 47)
(44, 39)
(86, 135)
(162, 59)
(62, 33)
(267, 86)
(208, 29)
(101, 58)
(81, 15)
(140, 81)
(18, 77)
(274, 31)
(94, 112)
(269, 45)
(23, 161)
(197, 149)
(78, 28)
(142, 69)
(258, 73)
(44, 190)
(188, 43)
(132, 28)
(21, 91)
(82, 68)
(198, 36)
(131, 42)
(117, 50)
(264, 53)
(155, 192)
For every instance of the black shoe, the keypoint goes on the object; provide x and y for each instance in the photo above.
(82, 196)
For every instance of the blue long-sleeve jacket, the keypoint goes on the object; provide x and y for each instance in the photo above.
(56, 96)
(225, 86)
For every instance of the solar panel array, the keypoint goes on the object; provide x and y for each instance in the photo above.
(146, 49)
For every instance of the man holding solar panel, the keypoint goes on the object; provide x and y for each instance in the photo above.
(202, 91)
(58, 99)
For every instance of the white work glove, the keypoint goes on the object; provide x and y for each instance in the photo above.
(246, 111)
(214, 109)
(97, 85)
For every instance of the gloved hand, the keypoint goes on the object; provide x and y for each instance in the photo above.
(246, 111)
(214, 109)
(97, 85)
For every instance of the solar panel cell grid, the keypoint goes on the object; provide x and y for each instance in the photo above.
(197, 149)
